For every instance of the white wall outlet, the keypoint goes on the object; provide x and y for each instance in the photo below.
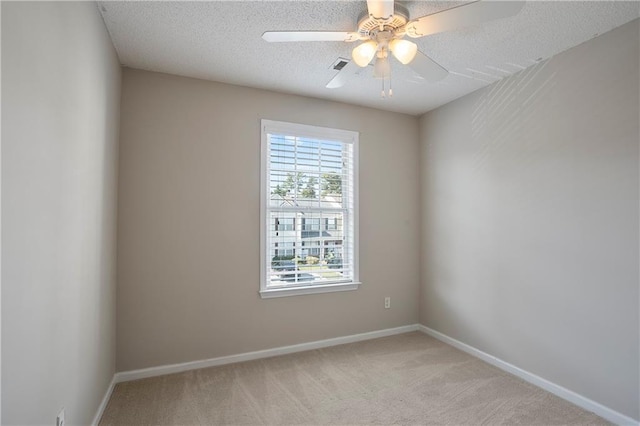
(387, 302)
(60, 419)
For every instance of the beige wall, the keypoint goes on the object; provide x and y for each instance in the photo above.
(530, 219)
(60, 112)
(188, 234)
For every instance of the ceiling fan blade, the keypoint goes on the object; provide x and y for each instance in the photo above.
(428, 68)
(462, 16)
(343, 75)
(380, 9)
(280, 36)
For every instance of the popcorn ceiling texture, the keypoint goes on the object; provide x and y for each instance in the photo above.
(221, 41)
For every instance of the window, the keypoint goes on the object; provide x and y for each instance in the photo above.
(311, 224)
(310, 248)
(309, 220)
(285, 249)
(331, 224)
(285, 224)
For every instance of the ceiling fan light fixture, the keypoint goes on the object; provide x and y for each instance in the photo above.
(364, 53)
(382, 68)
(403, 50)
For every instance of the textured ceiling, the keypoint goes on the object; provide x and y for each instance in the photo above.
(221, 41)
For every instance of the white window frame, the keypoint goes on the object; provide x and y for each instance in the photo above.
(302, 130)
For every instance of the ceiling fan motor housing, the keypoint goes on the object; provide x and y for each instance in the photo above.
(369, 27)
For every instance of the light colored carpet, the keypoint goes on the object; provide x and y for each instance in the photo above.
(405, 379)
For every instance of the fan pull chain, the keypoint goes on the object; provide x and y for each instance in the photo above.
(389, 92)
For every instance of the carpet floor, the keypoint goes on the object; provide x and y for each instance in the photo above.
(404, 379)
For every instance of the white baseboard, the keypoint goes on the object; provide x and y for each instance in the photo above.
(579, 400)
(105, 401)
(126, 376)
(564, 393)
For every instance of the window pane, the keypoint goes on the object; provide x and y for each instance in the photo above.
(308, 171)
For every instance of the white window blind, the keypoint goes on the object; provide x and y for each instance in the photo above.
(309, 214)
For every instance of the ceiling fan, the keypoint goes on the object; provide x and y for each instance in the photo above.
(382, 28)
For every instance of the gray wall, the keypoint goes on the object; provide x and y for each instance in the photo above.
(188, 224)
(60, 112)
(530, 219)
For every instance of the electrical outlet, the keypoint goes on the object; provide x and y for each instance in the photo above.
(387, 302)
(60, 419)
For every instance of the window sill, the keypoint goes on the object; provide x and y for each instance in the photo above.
(298, 291)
